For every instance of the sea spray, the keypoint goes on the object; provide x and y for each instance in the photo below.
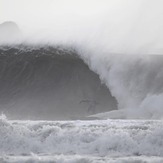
(118, 40)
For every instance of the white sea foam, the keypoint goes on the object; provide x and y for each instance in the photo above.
(111, 138)
(78, 159)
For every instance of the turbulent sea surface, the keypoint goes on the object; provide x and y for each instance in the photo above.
(95, 141)
(59, 102)
(81, 81)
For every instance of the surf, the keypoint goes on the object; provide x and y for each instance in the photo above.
(119, 41)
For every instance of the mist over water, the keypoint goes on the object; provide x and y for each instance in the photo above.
(135, 82)
(119, 40)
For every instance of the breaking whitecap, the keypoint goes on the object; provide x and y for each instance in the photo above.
(80, 140)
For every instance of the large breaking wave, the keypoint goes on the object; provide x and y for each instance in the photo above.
(49, 83)
(37, 77)
(120, 41)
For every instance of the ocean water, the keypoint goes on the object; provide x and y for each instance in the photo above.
(48, 82)
(81, 81)
(81, 141)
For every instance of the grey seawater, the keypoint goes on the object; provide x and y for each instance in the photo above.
(78, 159)
(50, 83)
(96, 141)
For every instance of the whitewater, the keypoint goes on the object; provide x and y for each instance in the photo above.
(81, 81)
(81, 141)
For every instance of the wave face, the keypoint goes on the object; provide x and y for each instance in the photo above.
(49, 83)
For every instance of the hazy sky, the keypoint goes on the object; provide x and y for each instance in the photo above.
(39, 12)
(124, 24)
